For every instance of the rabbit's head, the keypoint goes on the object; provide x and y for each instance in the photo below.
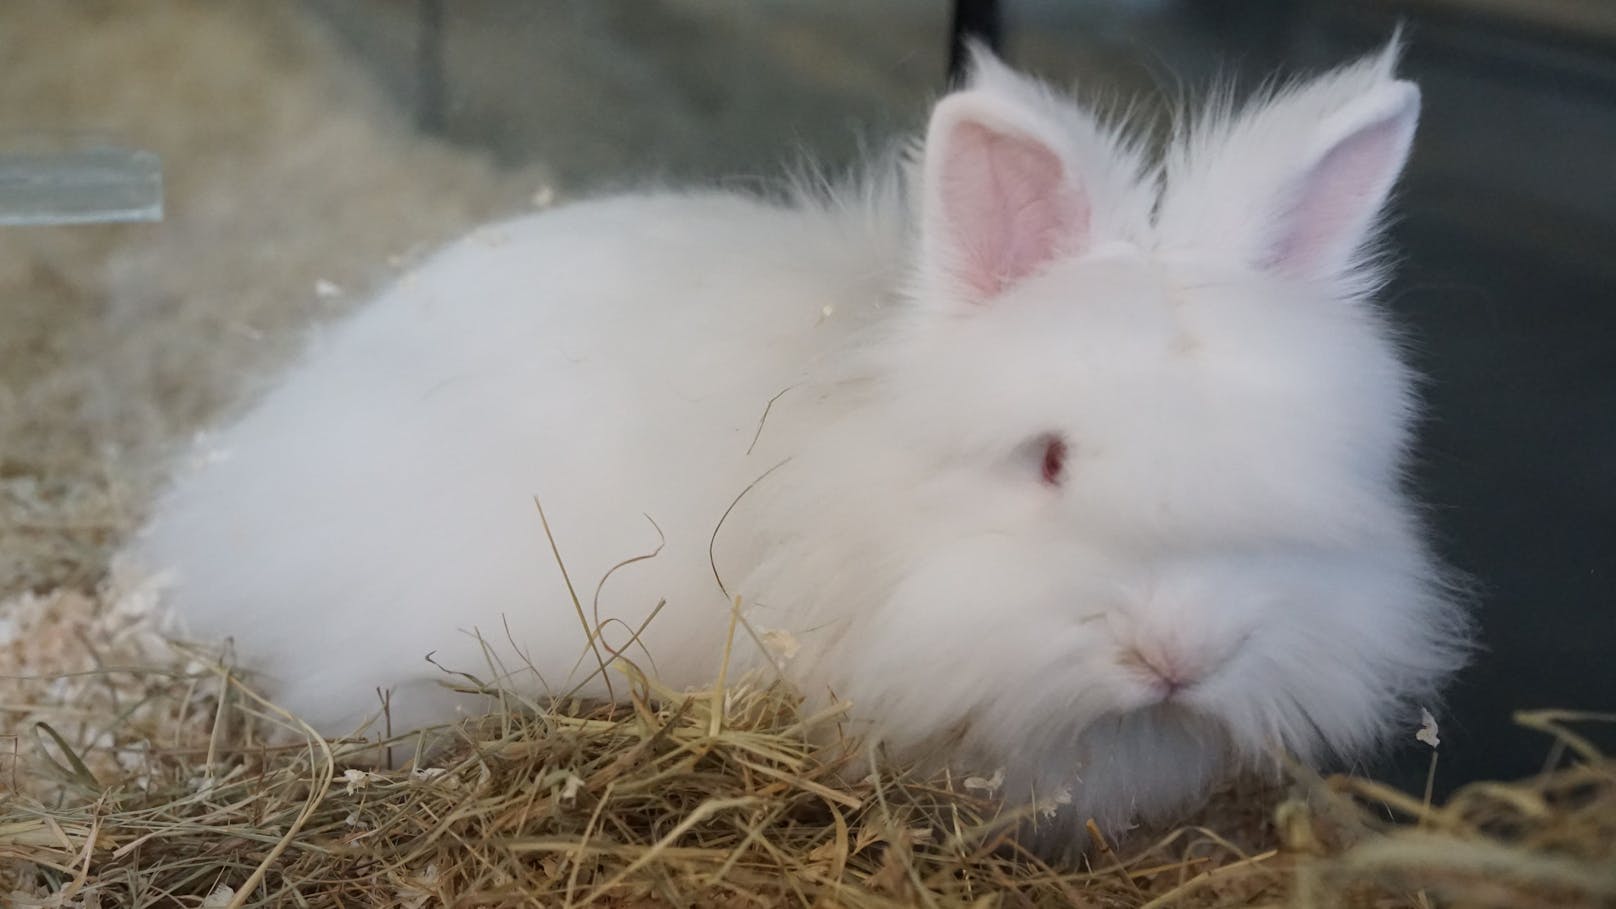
(1179, 355)
(1154, 430)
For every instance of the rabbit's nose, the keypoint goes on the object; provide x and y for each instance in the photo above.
(1166, 671)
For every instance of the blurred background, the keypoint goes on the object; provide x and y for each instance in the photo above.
(310, 150)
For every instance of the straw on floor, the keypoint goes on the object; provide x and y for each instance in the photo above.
(140, 782)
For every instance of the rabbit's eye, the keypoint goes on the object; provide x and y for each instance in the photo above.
(1044, 454)
(1054, 463)
(1050, 451)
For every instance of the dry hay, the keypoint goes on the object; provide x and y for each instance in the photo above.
(143, 776)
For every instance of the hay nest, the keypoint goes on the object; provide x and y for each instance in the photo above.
(144, 774)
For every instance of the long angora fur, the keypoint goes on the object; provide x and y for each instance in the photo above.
(1076, 463)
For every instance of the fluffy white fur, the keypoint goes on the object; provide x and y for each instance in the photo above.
(1227, 566)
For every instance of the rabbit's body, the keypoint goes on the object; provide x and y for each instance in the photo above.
(1071, 465)
(381, 447)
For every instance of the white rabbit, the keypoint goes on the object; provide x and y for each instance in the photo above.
(1075, 463)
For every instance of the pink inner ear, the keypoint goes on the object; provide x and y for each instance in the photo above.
(1332, 205)
(1007, 208)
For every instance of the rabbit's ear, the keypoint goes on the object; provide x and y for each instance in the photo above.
(1000, 203)
(1014, 178)
(1294, 184)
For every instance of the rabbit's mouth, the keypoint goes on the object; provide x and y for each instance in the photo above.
(1180, 713)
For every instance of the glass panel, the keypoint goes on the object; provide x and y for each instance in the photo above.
(95, 184)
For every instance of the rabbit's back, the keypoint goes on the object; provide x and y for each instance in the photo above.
(612, 359)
